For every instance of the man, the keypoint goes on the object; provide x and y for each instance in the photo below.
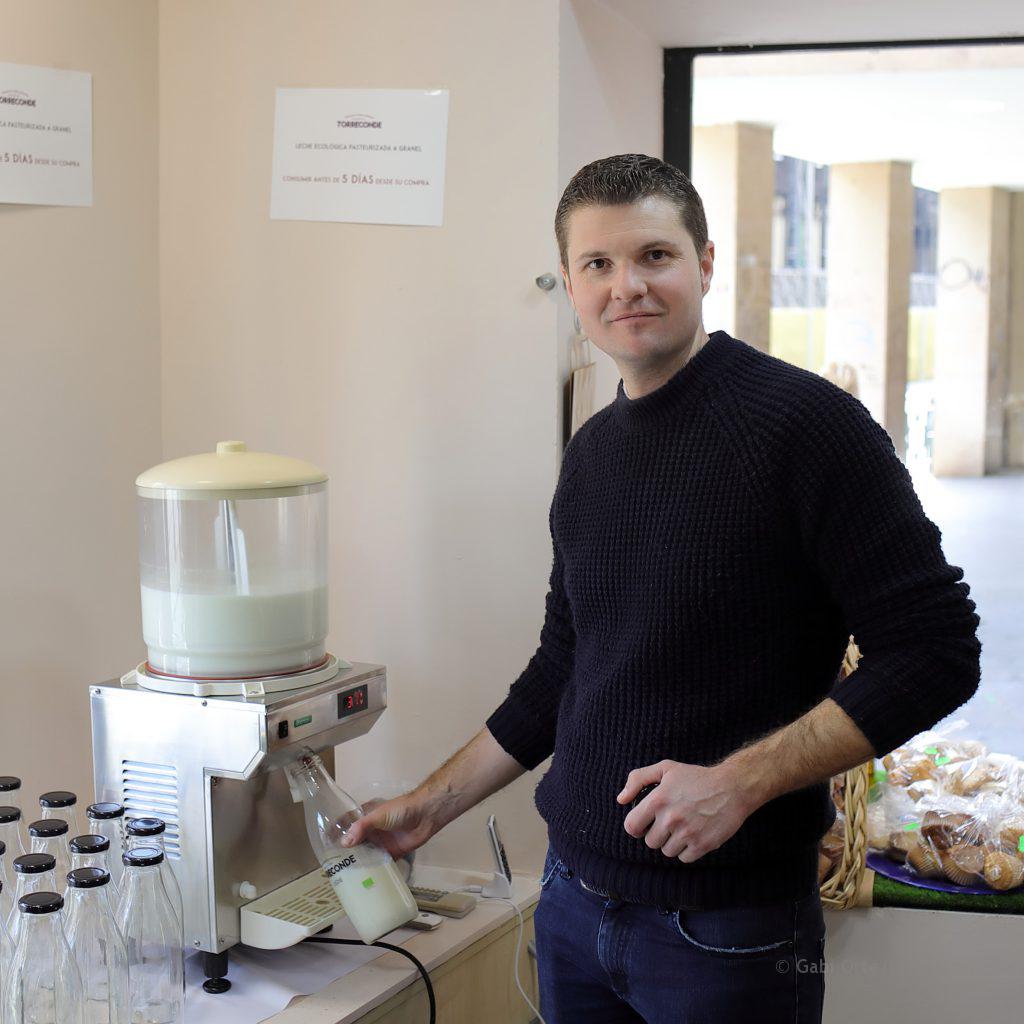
(719, 531)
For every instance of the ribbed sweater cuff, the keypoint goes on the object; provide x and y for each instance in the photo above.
(872, 705)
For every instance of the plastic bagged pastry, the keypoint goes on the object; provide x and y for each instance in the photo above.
(950, 809)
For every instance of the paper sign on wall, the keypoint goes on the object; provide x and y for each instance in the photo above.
(367, 156)
(45, 136)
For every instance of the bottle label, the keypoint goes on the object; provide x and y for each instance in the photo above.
(371, 890)
(331, 868)
(364, 856)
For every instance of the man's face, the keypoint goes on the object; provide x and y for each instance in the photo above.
(636, 280)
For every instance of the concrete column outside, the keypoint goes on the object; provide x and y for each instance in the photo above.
(870, 256)
(1015, 391)
(971, 331)
(734, 172)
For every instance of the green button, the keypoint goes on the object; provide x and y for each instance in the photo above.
(911, 825)
(1020, 843)
(942, 760)
(931, 750)
(367, 883)
(305, 720)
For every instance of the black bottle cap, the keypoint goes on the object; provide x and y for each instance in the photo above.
(101, 812)
(9, 783)
(90, 844)
(40, 903)
(47, 828)
(88, 878)
(145, 827)
(142, 856)
(9, 814)
(34, 863)
(58, 798)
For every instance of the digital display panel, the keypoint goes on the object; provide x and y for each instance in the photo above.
(351, 702)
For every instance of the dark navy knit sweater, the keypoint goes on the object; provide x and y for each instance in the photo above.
(716, 542)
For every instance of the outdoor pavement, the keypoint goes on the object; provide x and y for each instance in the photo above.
(981, 520)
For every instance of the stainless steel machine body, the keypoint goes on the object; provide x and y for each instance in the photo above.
(208, 767)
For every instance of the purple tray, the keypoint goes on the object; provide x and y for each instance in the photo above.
(899, 873)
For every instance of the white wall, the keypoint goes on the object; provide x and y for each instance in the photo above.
(417, 365)
(79, 397)
(609, 101)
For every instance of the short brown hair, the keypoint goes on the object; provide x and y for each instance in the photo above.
(628, 178)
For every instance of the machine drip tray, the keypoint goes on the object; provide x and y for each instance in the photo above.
(292, 913)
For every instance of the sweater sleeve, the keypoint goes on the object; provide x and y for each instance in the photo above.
(863, 529)
(524, 724)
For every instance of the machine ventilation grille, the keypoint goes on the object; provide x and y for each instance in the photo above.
(151, 791)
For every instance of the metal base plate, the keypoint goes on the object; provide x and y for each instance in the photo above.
(141, 676)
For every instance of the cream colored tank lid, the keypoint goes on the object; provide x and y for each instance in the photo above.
(232, 467)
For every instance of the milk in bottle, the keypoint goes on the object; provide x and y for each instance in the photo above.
(369, 885)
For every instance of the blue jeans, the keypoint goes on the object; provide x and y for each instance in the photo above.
(605, 961)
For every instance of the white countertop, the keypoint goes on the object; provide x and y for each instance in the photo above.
(325, 984)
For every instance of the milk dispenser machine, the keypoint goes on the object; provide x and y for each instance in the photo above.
(237, 684)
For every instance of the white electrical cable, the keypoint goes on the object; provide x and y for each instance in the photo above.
(520, 929)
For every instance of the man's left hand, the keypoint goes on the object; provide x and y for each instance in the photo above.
(692, 811)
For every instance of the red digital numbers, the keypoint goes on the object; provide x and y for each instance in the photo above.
(351, 702)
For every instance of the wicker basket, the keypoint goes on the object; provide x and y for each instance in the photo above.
(850, 883)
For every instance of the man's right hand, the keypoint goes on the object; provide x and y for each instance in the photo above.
(399, 826)
(404, 824)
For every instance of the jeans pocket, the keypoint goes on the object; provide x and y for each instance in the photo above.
(738, 931)
(552, 867)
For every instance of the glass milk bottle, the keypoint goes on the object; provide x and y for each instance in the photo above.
(369, 885)
(6, 890)
(93, 852)
(97, 946)
(11, 801)
(50, 835)
(42, 985)
(10, 830)
(33, 872)
(6, 949)
(145, 917)
(61, 803)
(107, 819)
(233, 565)
(150, 832)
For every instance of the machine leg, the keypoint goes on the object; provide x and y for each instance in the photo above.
(215, 967)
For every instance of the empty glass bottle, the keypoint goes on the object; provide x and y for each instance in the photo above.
(10, 785)
(6, 890)
(10, 831)
(43, 985)
(107, 819)
(94, 852)
(50, 835)
(33, 872)
(150, 832)
(61, 803)
(6, 949)
(369, 885)
(97, 945)
(156, 979)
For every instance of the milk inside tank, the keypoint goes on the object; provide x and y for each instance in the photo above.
(233, 564)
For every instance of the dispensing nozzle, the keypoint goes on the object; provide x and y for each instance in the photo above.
(302, 762)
